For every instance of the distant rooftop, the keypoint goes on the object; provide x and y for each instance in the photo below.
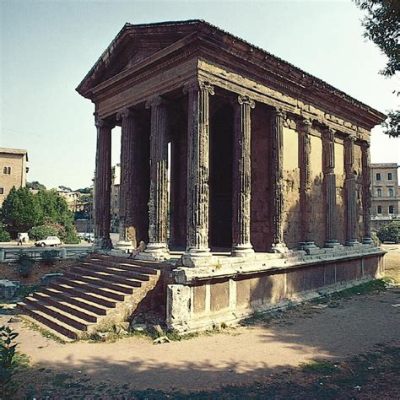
(384, 165)
(5, 150)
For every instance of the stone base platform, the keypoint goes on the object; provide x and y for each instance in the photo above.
(231, 288)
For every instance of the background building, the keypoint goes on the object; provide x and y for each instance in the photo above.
(385, 193)
(13, 170)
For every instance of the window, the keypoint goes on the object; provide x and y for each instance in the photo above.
(390, 176)
(7, 170)
(378, 176)
(1, 190)
(391, 210)
(379, 192)
(391, 192)
(379, 209)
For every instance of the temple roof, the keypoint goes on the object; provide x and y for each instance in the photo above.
(156, 36)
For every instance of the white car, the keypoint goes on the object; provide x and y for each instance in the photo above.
(49, 241)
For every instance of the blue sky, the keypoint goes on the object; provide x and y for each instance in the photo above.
(47, 47)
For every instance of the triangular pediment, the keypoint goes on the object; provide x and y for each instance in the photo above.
(133, 44)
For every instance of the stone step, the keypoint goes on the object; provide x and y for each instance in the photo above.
(50, 322)
(89, 288)
(75, 300)
(146, 266)
(57, 314)
(102, 283)
(66, 307)
(82, 293)
(128, 273)
(109, 277)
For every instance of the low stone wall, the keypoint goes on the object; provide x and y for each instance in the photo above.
(231, 292)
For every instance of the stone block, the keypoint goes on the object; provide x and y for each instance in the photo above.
(243, 292)
(199, 299)
(7, 289)
(219, 295)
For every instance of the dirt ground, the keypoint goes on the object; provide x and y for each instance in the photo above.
(259, 360)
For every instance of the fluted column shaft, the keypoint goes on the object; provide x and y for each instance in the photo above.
(305, 182)
(350, 188)
(329, 187)
(103, 184)
(278, 244)
(242, 178)
(158, 203)
(127, 231)
(198, 169)
(366, 192)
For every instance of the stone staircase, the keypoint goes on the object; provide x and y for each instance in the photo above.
(93, 295)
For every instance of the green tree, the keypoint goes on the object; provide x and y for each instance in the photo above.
(35, 185)
(21, 211)
(382, 26)
(54, 208)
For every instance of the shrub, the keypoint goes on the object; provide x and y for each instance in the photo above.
(71, 236)
(42, 231)
(7, 354)
(390, 232)
(4, 235)
(25, 264)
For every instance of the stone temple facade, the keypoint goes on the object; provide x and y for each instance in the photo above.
(246, 175)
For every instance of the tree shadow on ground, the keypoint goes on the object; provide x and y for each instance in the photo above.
(302, 334)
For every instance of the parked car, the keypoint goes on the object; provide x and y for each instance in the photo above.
(49, 241)
(89, 237)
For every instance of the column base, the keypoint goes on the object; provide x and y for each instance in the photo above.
(352, 242)
(154, 252)
(331, 243)
(280, 248)
(125, 246)
(308, 244)
(242, 250)
(367, 240)
(197, 258)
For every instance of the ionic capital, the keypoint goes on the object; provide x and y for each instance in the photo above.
(351, 139)
(155, 101)
(102, 123)
(123, 114)
(329, 133)
(305, 125)
(246, 100)
(198, 85)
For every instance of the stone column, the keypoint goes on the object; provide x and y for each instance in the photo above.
(197, 250)
(305, 184)
(242, 178)
(366, 192)
(127, 236)
(350, 189)
(329, 187)
(103, 185)
(158, 202)
(278, 244)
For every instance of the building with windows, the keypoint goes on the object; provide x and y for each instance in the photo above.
(13, 170)
(385, 194)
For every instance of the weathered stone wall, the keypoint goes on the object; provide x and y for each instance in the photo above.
(291, 187)
(261, 236)
(340, 193)
(208, 303)
(317, 209)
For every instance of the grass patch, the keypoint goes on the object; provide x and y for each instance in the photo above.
(45, 333)
(319, 367)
